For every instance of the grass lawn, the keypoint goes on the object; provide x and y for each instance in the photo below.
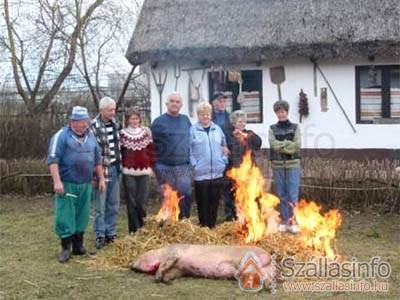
(29, 267)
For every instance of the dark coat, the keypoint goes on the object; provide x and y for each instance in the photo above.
(238, 148)
(227, 128)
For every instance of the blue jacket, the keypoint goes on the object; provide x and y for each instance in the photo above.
(76, 159)
(206, 152)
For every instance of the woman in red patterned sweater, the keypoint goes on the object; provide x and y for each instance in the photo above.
(137, 151)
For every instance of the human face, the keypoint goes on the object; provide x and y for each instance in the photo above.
(240, 124)
(282, 115)
(174, 105)
(204, 118)
(79, 127)
(108, 113)
(220, 104)
(134, 121)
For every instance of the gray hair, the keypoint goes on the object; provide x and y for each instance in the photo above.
(237, 114)
(105, 101)
(173, 94)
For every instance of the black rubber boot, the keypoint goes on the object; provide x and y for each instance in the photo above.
(66, 250)
(77, 244)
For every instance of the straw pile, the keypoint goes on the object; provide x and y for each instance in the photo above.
(123, 252)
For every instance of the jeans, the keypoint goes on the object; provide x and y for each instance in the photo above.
(137, 193)
(106, 206)
(287, 182)
(180, 178)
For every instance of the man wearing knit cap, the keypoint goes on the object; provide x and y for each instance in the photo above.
(221, 117)
(73, 156)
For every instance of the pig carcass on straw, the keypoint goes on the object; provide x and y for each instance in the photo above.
(209, 261)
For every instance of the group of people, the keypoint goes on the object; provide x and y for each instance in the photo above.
(87, 157)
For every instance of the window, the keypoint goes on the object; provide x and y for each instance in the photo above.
(378, 94)
(251, 101)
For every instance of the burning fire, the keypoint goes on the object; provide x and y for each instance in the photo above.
(170, 206)
(317, 230)
(254, 207)
(258, 214)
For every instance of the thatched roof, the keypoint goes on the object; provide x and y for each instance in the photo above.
(258, 30)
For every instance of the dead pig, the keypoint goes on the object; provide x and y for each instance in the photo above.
(209, 261)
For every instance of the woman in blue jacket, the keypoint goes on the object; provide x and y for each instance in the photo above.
(208, 157)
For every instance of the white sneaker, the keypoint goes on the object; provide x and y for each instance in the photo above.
(282, 228)
(293, 228)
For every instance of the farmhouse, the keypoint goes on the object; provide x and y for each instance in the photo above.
(340, 59)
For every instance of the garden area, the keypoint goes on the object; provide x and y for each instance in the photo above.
(29, 268)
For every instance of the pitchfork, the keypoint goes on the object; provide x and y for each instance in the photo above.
(160, 85)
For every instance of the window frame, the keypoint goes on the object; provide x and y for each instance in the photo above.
(234, 88)
(386, 109)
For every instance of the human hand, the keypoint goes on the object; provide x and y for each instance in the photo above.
(226, 151)
(287, 143)
(102, 185)
(59, 188)
(238, 133)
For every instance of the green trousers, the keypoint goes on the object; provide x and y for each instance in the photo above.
(72, 209)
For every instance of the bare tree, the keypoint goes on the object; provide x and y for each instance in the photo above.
(104, 37)
(43, 40)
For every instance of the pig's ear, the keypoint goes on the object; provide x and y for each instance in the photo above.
(138, 265)
(164, 267)
(134, 267)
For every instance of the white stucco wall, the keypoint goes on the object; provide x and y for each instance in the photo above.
(320, 129)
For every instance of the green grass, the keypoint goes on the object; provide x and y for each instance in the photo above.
(29, 267)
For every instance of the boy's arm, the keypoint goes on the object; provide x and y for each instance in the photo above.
(294, 146)
(274, 143)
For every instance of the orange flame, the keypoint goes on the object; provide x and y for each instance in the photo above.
(317, 230)
(258, 215)
(170, 206)
(254, 207)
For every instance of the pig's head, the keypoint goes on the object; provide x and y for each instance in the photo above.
(148, 262)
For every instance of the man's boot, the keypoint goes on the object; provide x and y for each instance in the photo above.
(77, 244)
(66, 250)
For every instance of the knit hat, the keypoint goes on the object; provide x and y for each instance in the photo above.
(218, 95)
(79, 113)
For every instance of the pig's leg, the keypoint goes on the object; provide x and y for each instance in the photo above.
(165, 265)
(225, 269)
(172, 274)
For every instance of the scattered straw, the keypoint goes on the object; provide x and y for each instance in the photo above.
(123, 251)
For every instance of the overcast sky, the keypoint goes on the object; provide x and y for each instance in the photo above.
(116, 61)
